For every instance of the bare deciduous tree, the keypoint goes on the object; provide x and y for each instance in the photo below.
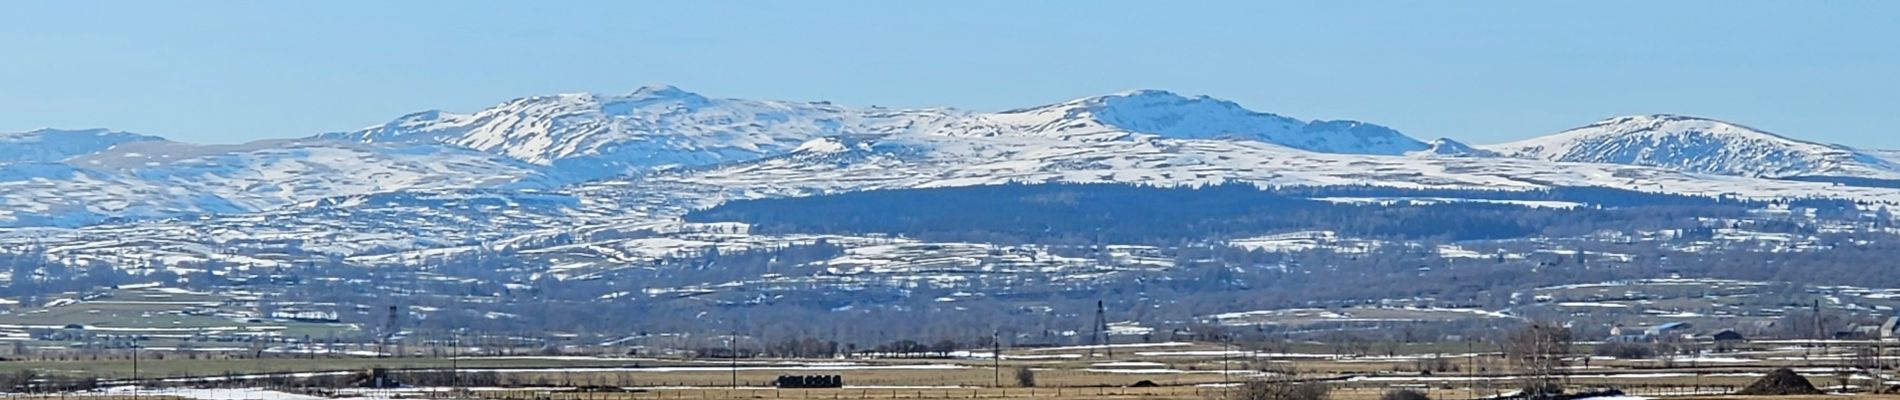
(1540, 350)
(1281, 390)
(1025, 377)
(1404, 394)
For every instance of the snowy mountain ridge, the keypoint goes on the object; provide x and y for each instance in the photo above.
(662, 126)
(1701, 145)
(1447, 147)
(162, 179)
(70, 178)
(1171, 115)
(653, 127)
(658, 127)
(54, 145)
(583, 183)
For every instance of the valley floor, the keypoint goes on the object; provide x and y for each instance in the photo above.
(1138, 371)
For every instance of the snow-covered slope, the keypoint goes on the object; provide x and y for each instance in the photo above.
(592, 135)
(1699, 145)
(905, 161)
(53, 145)
(589, 135)
(579, 229)
(76, 177)
(608, 224)
(1171, 115)
(432, 184)
(1888, 156)
(156, 178)
(1446, 147)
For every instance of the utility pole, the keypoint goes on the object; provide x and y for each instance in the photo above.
(732, 351)
(1226, 351)
(1471, 367)
(996, 356)
(389, 333)
(1101, 330)
(455, 364)
(1819, 333)
(135, 368)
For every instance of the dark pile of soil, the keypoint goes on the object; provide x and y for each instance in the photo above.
(1145, 383)
(1780, 382)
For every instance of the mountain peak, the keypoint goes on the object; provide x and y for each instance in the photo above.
(1644, 119)
(586, 135)
(1130, 98)
(661, 91)
(1662, 128)
(1149, 98)
(1658, 117)
(572, 102)
(1696, 144)
(1172, 115)
(74, 132)
(52, 145)
(647, 96)
(1453, 148)
(662, 125)
(1156, 94)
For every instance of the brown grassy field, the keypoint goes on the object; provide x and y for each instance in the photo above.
(1172, 371)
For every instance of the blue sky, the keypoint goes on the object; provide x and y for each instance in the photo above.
(1477, 71)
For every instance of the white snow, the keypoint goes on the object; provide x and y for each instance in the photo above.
(1582, 304)
(212, 394)
(393, 195)
(1702, 145)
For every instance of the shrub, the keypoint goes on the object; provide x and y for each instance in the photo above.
(1404, 394)
(1277, 390)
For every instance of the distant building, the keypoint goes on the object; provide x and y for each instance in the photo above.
(1659, 333)
(316, 316)
(1618, 334)
(1668, 330)
(1727, 340)
(1628, 339)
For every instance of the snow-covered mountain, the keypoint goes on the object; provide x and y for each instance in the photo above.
(584, 228)
(1171, 115)
(581, 183)
(752, 148)
(53, 145)
(151, 178)
(1699, 145)
(1446, 147)
(594, 135)
(908, 161)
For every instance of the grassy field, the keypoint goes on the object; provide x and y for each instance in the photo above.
(1170, 371)
(159, 312)
(177, 368)
(1163, 393)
